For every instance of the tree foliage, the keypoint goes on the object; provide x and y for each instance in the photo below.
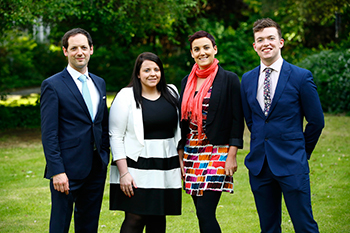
(16, 14)
(307, 24)
(121, 29)
(121, 21)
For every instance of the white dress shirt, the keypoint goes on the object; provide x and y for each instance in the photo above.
(95, 95)
(275, 73)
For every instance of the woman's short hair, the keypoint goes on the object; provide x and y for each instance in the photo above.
(201, 34)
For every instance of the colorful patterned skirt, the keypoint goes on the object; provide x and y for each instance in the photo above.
(205, 165)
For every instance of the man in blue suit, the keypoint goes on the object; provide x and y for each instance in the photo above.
(276, 97)
(75, 137)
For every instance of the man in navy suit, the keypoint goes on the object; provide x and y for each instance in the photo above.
(75, 138)
(276, 97)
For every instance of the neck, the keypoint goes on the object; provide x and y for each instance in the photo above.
(80, 70)
(150, 93)
(270, 62)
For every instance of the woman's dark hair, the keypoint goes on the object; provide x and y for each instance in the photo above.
(167, 92)
(74, 32)
(201, 34)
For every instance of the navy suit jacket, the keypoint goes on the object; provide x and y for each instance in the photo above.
(280, 137)
(69, 136)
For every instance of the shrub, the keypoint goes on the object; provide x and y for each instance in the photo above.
(23, 116)
(331, 71)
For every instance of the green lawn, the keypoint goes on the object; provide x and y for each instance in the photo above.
(25, 195)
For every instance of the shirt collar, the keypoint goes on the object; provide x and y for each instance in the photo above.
(276, 66)
(75, 74)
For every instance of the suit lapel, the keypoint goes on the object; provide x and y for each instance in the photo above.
(68, 80)
(215, 96)
(102, 96)
(282, 81)
(138, 121)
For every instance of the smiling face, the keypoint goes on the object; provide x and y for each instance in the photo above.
(268, 45)
(78, 52)
(203, 52)
(150, 74)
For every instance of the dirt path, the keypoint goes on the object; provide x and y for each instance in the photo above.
(26, 91)
(19, 138)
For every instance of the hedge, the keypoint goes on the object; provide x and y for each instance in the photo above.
(23, 116)
(331, 71)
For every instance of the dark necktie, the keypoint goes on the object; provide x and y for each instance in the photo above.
(86, 95)
(267, 91)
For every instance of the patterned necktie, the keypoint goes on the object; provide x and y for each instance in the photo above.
(86, 95)
(267, 91)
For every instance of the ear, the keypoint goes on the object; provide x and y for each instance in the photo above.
(91, 50)
(191, 53)
(215, 49)
(281, 43)
(254, 47)
(65, 51)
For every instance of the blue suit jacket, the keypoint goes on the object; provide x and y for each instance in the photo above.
(68, 134)
(280, 137)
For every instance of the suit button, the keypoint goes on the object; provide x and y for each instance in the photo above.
(266, 122)
(266, 139)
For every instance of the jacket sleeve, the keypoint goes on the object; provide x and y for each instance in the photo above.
(183, 123)
(118, 121)
(237, 128)
(245, 105)
(312, 109)
(49, 109)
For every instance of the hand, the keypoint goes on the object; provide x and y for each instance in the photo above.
(231, 162)
(61, 183)
(181, 155)
(126, 185)
(230, 166)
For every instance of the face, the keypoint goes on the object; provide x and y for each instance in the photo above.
(268, 45)
(78, 52)
(150, 74)
(203, 52)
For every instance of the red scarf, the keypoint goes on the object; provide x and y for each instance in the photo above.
(192, 104)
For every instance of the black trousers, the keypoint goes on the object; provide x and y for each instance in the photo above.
(85, 196)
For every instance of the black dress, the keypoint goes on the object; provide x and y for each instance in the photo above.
(157, 171)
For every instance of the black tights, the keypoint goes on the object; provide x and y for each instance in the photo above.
(206, 208)
(134, 223)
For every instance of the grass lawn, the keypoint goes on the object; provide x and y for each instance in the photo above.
(25, 195)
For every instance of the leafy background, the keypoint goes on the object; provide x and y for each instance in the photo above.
(316, 33)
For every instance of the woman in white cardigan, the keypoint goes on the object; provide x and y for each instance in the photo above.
(144, 133)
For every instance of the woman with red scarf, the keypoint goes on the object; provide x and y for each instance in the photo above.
(212, 130)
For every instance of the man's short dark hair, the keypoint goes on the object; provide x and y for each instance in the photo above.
(73, 32)
(260, 24)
